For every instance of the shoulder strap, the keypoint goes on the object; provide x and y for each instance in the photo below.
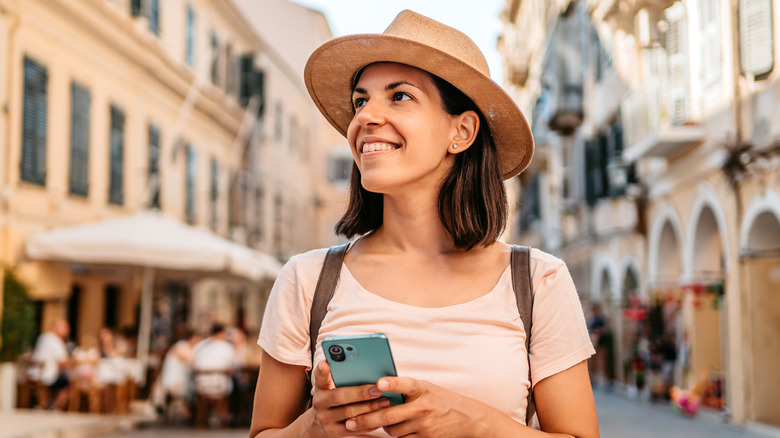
(523, 288)
(323, 293)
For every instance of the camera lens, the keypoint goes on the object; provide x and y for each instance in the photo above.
(337, 353)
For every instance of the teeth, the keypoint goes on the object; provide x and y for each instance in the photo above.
(372, 147)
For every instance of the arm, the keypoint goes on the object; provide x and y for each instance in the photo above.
(282, 395)
(564, 402)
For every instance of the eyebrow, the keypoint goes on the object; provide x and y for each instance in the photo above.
(391, 86)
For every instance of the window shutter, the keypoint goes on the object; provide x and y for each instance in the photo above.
(214, 198)
(190, 184)
(215, 55)
(676, 53)
(154, 16)
(755, 36)
(246, 78)
(136, 7)
(154, 166)
(33, 160)
(116, 152)
(190, 36)
(79, 140)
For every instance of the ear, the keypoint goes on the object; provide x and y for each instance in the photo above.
(465, 128)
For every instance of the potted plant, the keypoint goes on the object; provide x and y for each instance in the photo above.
(17, 334)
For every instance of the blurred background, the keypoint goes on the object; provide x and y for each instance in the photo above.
(161, 159)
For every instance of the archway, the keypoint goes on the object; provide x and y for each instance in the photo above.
(761, 261)
(703, 304)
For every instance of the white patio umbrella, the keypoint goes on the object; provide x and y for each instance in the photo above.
(152, 240)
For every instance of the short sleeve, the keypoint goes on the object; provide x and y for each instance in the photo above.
(284, 333)
(559, 336)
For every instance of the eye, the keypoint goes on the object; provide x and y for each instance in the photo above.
(401, 96)
(358, 102)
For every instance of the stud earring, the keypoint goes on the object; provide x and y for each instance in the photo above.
(454, 146)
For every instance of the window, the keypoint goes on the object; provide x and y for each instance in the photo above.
(154, 167)
(33, 162)
(710, 42)
(755, 37)
(154, 16)
(339, 169)
(530, 202)
(116, 157)
(190, 184)
(214, 192)
(190, 45)
(79, 140)
(259, 211)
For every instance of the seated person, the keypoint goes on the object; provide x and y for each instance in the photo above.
(52, 353)
(214, 353)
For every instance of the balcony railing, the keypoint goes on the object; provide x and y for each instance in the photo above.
(651, 128)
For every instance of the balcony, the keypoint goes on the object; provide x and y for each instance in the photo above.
(567, 113)
(650, 131)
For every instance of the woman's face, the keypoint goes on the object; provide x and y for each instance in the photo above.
(400, 133)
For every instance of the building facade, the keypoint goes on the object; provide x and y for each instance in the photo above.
(658, 183)
(112, 107)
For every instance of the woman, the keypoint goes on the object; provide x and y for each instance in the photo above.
(432, 136)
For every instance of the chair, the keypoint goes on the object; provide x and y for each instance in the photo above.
(31, 391)
(212, 395)
(84, 385)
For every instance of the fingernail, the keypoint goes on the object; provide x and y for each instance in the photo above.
(384, 403)
(382, 384)
(374, 391)
(351, 424)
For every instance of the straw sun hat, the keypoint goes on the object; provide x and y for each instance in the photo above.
(418, 41)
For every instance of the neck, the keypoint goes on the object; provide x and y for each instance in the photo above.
(412, 224)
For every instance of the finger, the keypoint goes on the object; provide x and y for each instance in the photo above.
(322, 376)
(410, 388)
(381, 418)
(351, 411)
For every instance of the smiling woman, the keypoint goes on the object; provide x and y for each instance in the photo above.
(433, 138)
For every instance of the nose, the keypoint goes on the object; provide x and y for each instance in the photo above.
(371, 114)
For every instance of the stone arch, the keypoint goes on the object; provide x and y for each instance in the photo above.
(664, 258)
(705, 212)
(758, 229)
(605, 279)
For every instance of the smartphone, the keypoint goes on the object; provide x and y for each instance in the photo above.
(360, 360)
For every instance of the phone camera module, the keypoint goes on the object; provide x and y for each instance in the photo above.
(337, 353)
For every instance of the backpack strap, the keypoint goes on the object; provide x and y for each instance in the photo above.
(523, 287)
(323, 293)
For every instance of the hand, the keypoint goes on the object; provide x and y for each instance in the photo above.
(332, 406)
(429, 411)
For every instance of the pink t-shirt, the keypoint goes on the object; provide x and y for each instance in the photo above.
(476, 349)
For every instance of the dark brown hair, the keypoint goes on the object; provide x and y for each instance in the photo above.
(472, 200)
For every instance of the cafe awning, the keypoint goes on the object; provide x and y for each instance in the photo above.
(151, 239)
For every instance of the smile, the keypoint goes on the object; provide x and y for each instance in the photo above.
(378, 146)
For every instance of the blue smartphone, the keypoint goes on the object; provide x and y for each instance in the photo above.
(360, 360)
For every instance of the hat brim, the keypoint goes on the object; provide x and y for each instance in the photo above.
(330, 71)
